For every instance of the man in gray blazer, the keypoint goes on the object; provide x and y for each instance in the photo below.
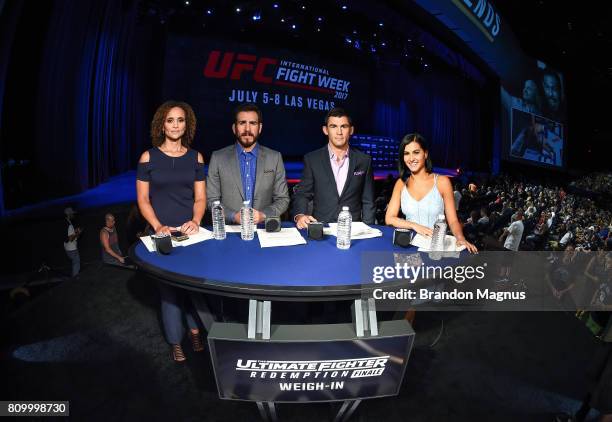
(246, 170)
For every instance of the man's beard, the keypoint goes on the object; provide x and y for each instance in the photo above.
(247, 143)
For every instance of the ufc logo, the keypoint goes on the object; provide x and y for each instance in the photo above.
(219, 67)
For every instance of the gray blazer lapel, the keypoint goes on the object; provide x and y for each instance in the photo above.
(351, 171)
(261, 166)
(235, 170)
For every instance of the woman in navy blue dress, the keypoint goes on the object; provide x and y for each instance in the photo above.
(171, 196)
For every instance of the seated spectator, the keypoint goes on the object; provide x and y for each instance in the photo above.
(602, 298)
(484, 217)
(470, 228)
(561, 278)
(493, 217)
(111, 253)
(551, 218)
(567, 237)
(457, 195)
(473, 219)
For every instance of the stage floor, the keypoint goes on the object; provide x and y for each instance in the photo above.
(98, 343)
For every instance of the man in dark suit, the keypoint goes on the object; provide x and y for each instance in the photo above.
(247, 171)
(335, 176)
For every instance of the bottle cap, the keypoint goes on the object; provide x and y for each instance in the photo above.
(345, 208)
(246, 202)
(217, 203)
(440, 216)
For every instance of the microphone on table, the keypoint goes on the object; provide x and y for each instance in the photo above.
(315, 230)
(403, 237)
(273, 224)
(163, 243)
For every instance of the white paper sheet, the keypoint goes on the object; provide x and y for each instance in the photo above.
(200, 236)
(148, 242)
(232, 228)
(424, 243)
(286, 237)
(359, 230)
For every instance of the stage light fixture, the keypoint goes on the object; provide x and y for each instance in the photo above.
(320, 19)
(186, 2)
(256, 17)
(283, 20)
(275, 5)
(380, 24)
(209, 12)
(303, 7)
(238, 10)
(293, 26)
(344, 7)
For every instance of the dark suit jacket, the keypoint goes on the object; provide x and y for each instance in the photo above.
(318, 185)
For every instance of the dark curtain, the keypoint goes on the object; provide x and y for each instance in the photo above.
(88, 107)
(9, 15)
(444, 107)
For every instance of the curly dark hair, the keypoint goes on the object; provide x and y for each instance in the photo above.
(157, 124)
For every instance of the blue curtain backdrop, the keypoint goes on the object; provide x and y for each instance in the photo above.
(88, 106)
(443, 107)
(98, 80)
(9, 15)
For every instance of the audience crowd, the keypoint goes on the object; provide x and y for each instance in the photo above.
(595, 182)
(552, 217)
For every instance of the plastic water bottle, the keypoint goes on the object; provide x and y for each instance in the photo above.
(247, 229)
(343, 237)
(437, 238)
(218, 217)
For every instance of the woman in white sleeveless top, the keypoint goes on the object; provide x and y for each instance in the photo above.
(422, 194)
